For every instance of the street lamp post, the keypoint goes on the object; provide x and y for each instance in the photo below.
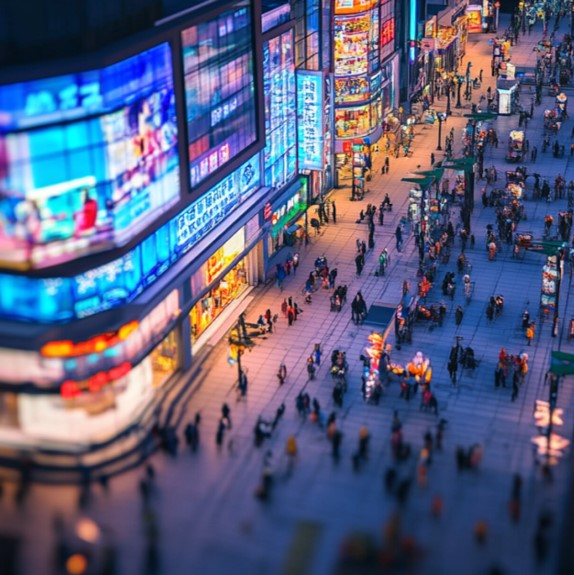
(496, 12)
(441, 118)
(448, 87)
(459, 80)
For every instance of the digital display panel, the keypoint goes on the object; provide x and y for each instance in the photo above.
(310, 119)
(118, 282)
(87, 160)
(219, 74)
(280, 111)
(351, 44)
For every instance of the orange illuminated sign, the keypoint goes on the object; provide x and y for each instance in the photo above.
(71, 388)
(97, 344)
(352, 6)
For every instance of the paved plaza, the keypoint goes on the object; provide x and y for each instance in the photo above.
(209, 521)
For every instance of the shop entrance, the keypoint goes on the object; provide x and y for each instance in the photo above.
(210, 306)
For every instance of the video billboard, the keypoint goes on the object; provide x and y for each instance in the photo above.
(57, 299)
(87, 160)
(219, 75)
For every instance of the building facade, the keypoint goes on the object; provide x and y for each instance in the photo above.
(132, 182)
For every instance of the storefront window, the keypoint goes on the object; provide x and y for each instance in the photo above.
(214, 302)
(165, 359)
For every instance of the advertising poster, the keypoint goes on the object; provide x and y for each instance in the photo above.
(310, 119)
(474, 15)
(351, 45)
(87, 160)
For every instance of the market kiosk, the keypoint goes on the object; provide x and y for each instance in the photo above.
(507, 101)
(515, 147)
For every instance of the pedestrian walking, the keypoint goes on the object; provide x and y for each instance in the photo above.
(515, 388)
(291, 451)
(290, 315)
(317, 352)
(371, 240)
(363, 442)
(220, 434)
(387, 164)
(334, 211)
(358, 264)
(530, 332)
(226, 415)
(399, 237)
(432, 159)
(381, 214)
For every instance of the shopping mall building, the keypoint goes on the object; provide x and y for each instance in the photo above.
(148, 184)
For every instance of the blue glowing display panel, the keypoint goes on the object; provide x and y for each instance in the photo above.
(121, 280)
(218, 63)
(310, 99)
(87, 160)
(280, 111)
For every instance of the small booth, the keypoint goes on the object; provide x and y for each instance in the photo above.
(515, 146)
(507, 103)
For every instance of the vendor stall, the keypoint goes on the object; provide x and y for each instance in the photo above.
(552, 122)
(515, 146)
(549, 286)
(507, 100)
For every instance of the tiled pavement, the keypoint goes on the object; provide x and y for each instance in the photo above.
(210, 523)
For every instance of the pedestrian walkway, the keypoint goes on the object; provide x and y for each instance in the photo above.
(209, 520)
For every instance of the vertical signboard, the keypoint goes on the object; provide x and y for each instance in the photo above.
(328, 131)
(310, 120)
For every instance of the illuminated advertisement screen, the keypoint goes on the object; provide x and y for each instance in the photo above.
(118, 282)
(352, 6)
(219, 71)
(351, 45)
(87, 160)
(310, 98)
(280, 153)
(352, 89)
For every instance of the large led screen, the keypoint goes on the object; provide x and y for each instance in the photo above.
(87, 160)
(118, 282)
(218, 63)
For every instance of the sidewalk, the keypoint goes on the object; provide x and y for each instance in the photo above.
(210, 523)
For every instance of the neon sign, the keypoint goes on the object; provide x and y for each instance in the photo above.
(98, 344)
(71, 389)
(310, 119)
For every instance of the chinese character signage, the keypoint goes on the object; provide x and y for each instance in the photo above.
(209, 209)
(310, 119)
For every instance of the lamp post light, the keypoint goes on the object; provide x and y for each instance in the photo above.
(441, 118)
(459, 80)
(496, 13)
